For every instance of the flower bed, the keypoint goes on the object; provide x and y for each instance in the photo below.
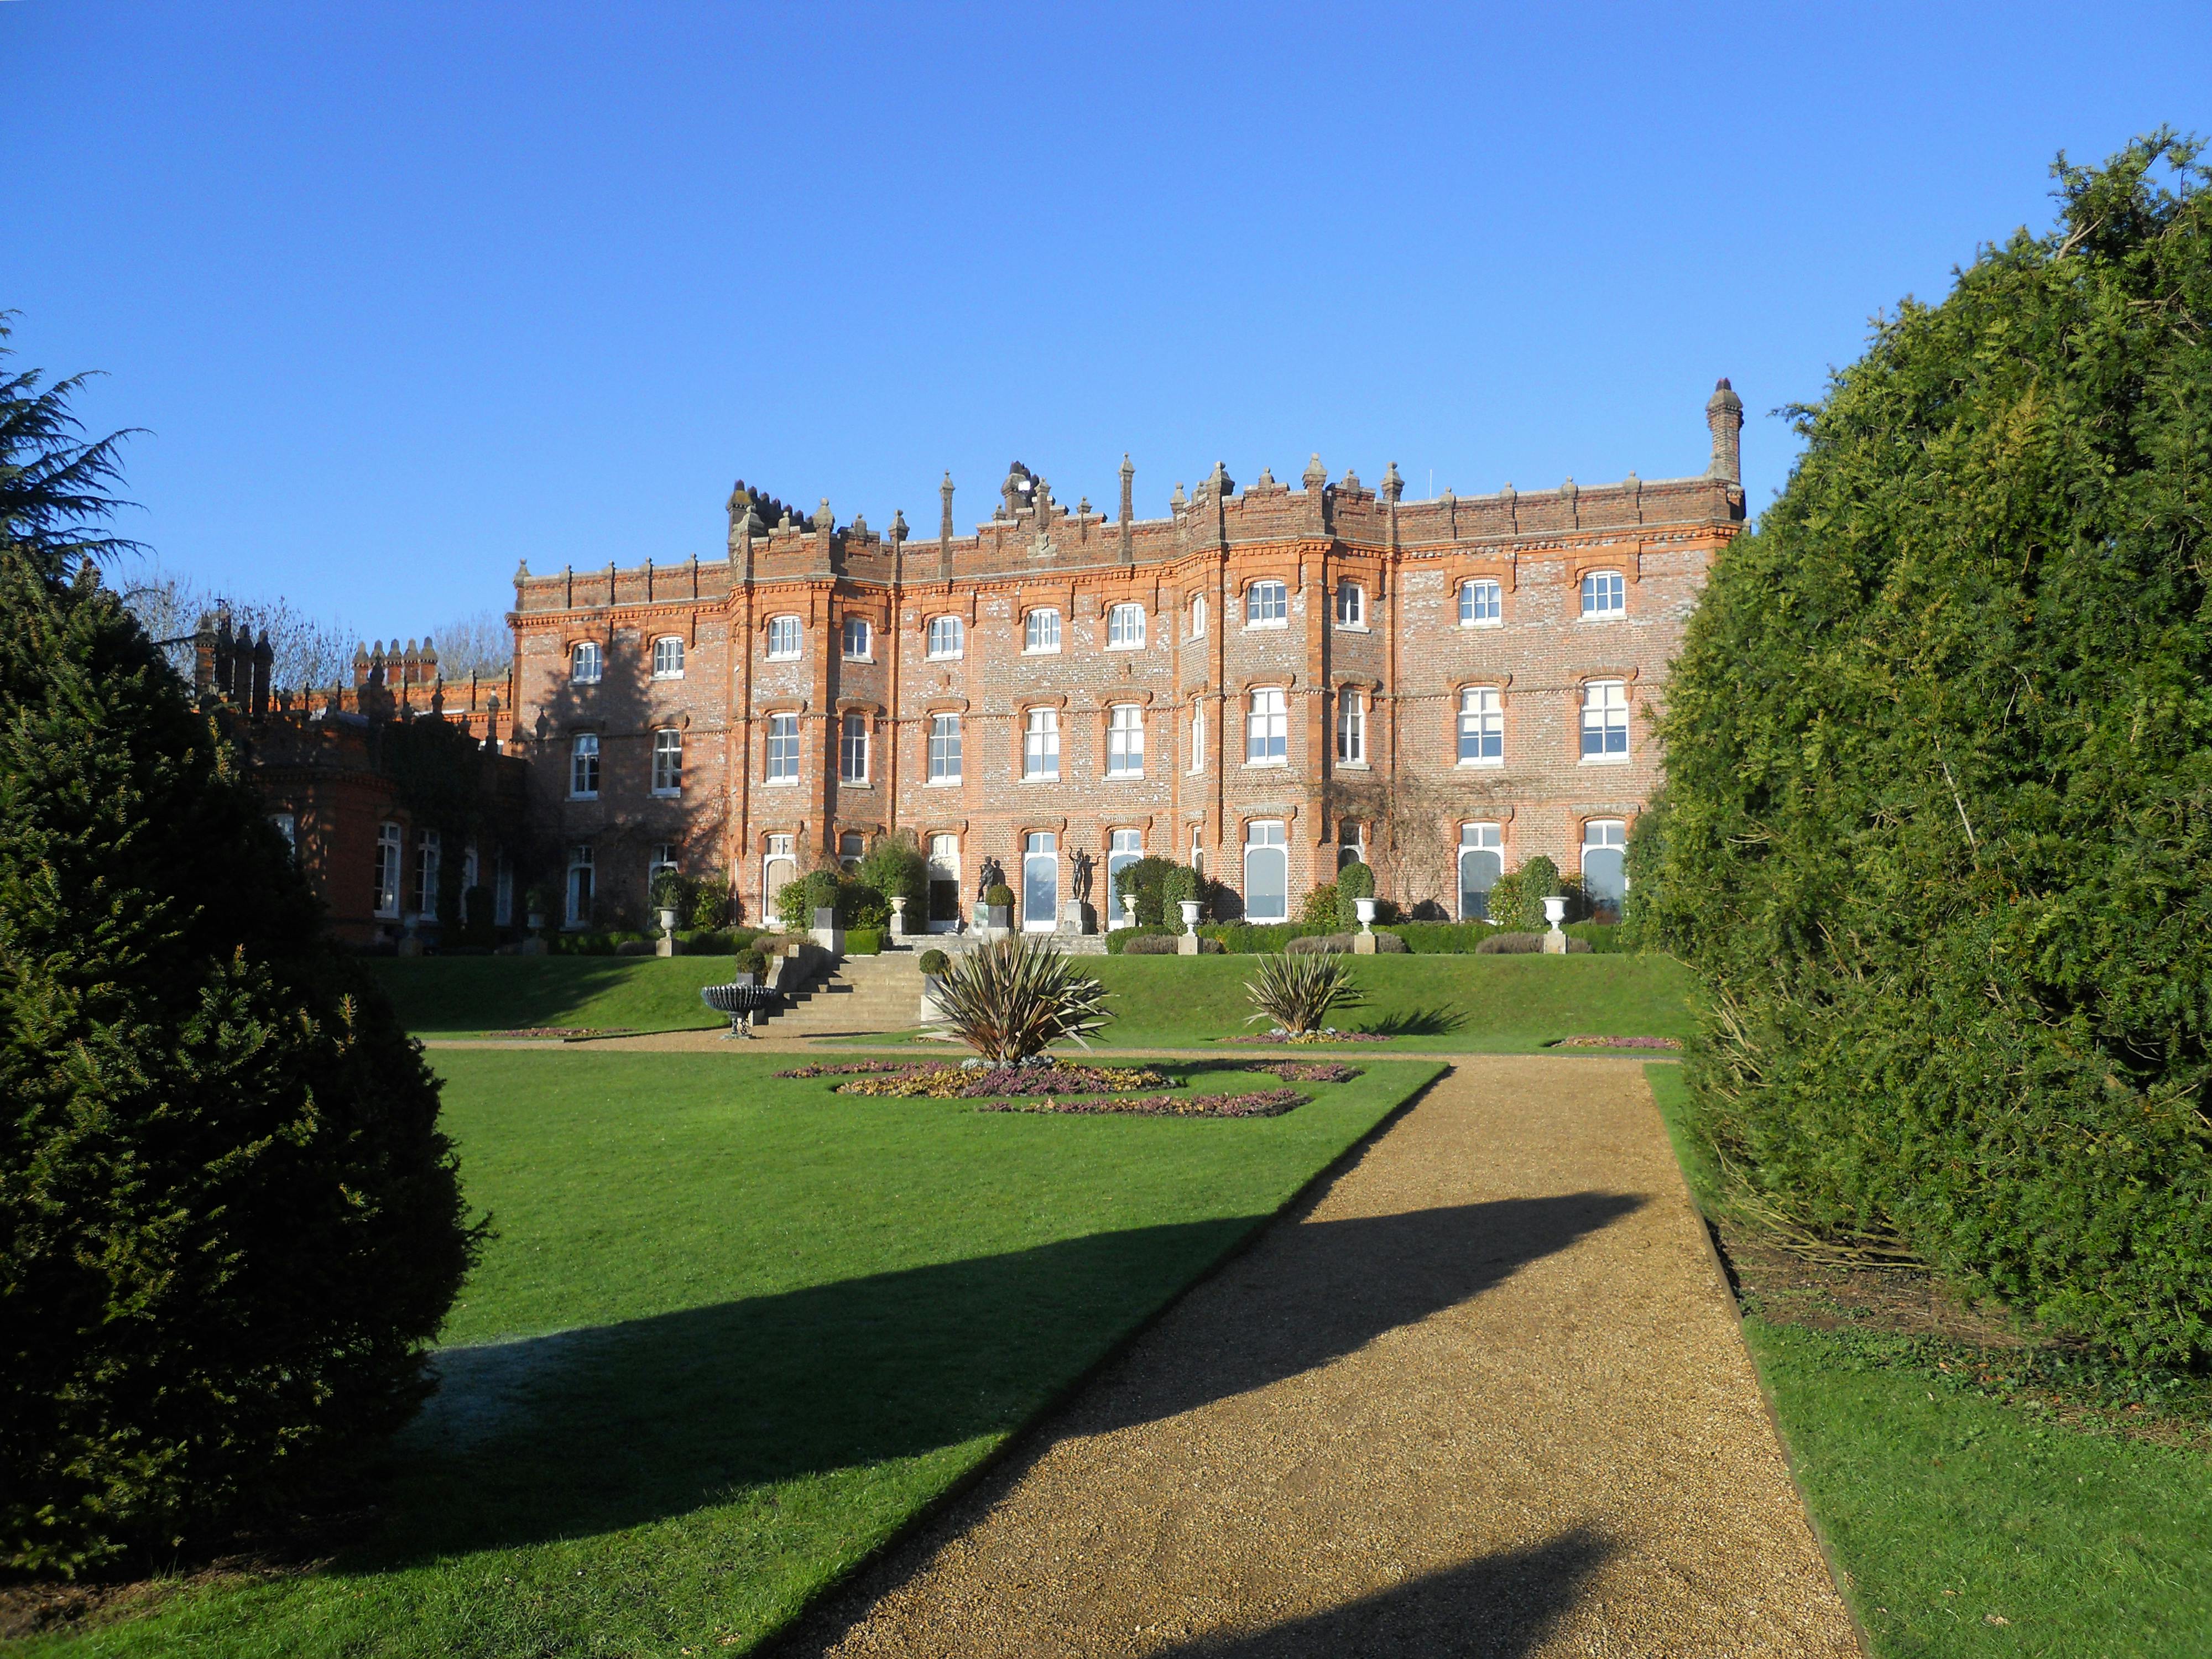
(1310, 1036)
(1267, 1103)
(1306, 1071)
(1617, 1042)
(906, 1080)
(561, 1032)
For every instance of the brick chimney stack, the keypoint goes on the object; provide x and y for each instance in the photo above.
(1725, 415)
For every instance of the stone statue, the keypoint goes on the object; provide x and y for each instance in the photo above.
(1078, 878)
(989, 876)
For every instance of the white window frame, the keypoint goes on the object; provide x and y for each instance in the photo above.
(1198, 615)
(665, 856)
(1268, 727)
(667, 773)
(785, 640)
(861, 631)
(1604, 596)
(1481, 726)
(1351, 617)
(1040, 746)
(1265, 836)
(1352, 728)
(1125, 626)
(1605, 717)
(851, 847)
(668, 657)
(586, 663)
(1612, 837)
(1481, 603)
(1198, 737)
(1267, 604)
(390, 849)
(852, 764)
(1040, 632)
(584, 766)
(1123, 848)
(944, 749)
(502, 888)
(1124, 740)
(947, 638)
(429, 858)
(781, 758)
(580, 859)
(1478, 837)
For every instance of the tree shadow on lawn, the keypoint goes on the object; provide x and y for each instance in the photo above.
(593, 1430)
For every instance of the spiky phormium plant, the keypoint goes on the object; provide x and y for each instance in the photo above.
(1299, 993)
(1009, 998)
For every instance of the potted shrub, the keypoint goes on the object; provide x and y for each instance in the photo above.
(999, 906)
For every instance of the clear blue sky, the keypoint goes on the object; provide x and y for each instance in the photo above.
(405, 293)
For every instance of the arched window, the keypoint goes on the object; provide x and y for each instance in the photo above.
(859, 639)
(668, 762)
(1125, 741)
(851, 847)
(1125, 628)
(1481, 861)
(1481, 726)
(387, 870)
(944, 884)
(1041, 631)
(1123, 848)
(1351, 605)
(1040, 882)
(783, 639)
(1267, 604)
(581, 874)
(1198, 737)
(1041, 745)
(948, 637)
(1267, 871)
(1605, 595)
(668, 657)
(779, 866)
(1267, 728)
(584, 662)
(1605, 872)
(853, 748)
(1351, 843)
(1481, 604)
(1352, 728)
(1198, 615)
(1605, 720)
(584, 766)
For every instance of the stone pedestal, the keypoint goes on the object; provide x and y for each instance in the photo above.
(665, 946)
(1187, 945)
(899, 915)
(1362, 945)
(532, 945)
(1555, 944)
(826, 933)
(1074, 916)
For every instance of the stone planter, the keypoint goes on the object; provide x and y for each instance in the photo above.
(1000, 916)
(931, 1012)
(899, 915)
(1555, 912)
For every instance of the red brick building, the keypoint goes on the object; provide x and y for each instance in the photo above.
(1266, 682)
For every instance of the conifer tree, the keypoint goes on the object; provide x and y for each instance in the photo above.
(228, 1221)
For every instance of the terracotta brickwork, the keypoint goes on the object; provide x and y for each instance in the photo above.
(807, 652)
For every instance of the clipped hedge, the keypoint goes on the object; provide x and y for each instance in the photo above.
(1935, 832)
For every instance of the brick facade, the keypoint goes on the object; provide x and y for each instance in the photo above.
(1211, 652)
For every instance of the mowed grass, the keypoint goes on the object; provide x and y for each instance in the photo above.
(1964, 1525)
(1484, 1005)
(733, 1331)
(467, 996)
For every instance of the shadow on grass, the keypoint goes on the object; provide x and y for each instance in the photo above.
(1498, 1606)
(1440, 1021)
(489, 993)
(593, 1430)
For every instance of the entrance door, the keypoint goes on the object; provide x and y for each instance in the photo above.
(1604, 874)
(1266, 871)
(778, 868)
(1481, 861)
(1040, 882)
(944, 884)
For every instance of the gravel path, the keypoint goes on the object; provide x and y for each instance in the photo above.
(1485, 1395)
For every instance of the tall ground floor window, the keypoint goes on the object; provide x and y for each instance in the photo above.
(426, 872)
(778, 866)
(944, 884)
(1124, 848)
(387, 870)
(502, 888)
(1605, 873)
(1266, 871)
(1040, 882)
(580, 886)
(1481, 861)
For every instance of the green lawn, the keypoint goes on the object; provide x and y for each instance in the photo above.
(1490, 1004)
(733, 1331)
(466, 996)
(1947, 1510)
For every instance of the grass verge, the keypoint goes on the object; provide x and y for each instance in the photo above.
(1969, 1507)
(734, 1333)
(467, 996)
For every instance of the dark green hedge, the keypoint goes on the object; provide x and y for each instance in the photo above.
(1938, 831)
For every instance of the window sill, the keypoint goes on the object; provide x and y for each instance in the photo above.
(1488, 621)
(1267, 626)
(1138, 645)
(1343, 765)
(1605, 760)
(1484, 765)
(1040, 778)
(791, 658)
(854, 783)
(1265, 765)
(1041, 650)
(779, 783)
(954, 657)
(857, 659)
(952, 783)
(668, 794)
(662, 679)
(1618, 616)
(1125, 777)
(1351, 628)
(573, 795)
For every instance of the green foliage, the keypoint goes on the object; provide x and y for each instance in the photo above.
(54, 487)
(709, 906)
(1299, 993)
(750, 961)
(669, 892)
(1353, 883)
(933, 961)
(229, 1225)
(1000, 897)
(1318, 911)
(1509, 905)
(1936, 832)
(1009, 998)
(857, 904)
(1179, 885)
(864, 941)
(895, 867)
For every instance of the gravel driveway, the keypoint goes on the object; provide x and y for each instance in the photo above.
(1483, 1395)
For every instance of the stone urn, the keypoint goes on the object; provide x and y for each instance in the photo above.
(1128, 909)
(899, 915)
(1365, 908)
(1190, 909)
(535, 920)
(1555, 912)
